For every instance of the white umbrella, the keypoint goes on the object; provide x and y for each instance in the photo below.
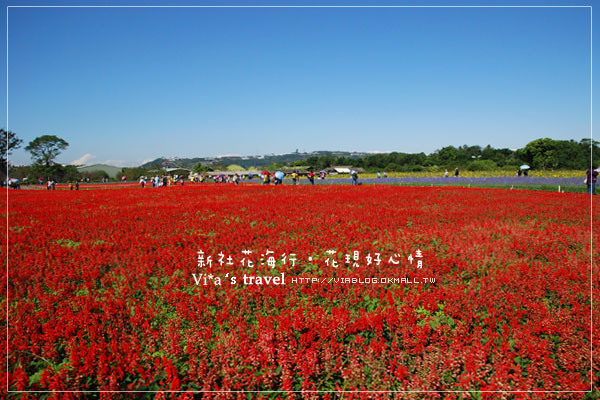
(524, 166)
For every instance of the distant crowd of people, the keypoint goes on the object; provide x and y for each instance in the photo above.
(164, 181)
(277, 177)
(266, 177)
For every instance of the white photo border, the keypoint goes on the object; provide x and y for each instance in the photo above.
(310, 391)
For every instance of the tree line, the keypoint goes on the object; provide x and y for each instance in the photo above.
(43, 149)
(542, 154)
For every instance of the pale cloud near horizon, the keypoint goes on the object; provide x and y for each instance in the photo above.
(84, 160)
(118, 163)
(228, 155)
(126, 163)
(89, 159)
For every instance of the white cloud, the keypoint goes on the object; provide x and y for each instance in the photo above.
(118, 163)
(84, 160)
(228, 155)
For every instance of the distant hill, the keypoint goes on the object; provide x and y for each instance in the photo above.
(246, 161)
(109, 169)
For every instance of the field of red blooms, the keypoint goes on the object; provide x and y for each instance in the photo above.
(104, 295)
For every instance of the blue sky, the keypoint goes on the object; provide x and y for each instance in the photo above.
(126, 85)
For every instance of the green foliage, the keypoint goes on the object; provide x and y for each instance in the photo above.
(393, 167)
(69, 173)
(448, 155)
(67, 243)
(591, 151)
(547, 153)
(133, 174)
(45, 149)
(8, 142)
(435, 319)
(199, 168)
(21, 172)
(95, 175)
(539, 154)
(482, 165)
(56, 172)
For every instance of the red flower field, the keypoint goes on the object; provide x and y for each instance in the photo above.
(105, 291)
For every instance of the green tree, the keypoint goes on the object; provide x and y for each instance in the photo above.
(447, 155)
(482, 165)
(393, 167)
(590, 153)
(69, 173)
(8, 142)
(57, 172)
(95, 175)
(200, 168)
(542, 153)
(45, 149)
(134, 173)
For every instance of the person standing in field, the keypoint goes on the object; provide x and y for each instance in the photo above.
(590, 180)
(446, 174)
(294, 178)
(456, 172)
(311, 178)
(354, 176)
